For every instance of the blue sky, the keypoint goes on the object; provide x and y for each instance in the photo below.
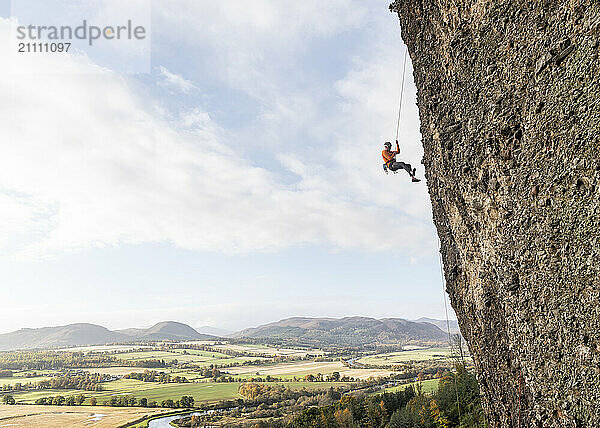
(238, 181)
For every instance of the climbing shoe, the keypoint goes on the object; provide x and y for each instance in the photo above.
(415, 180)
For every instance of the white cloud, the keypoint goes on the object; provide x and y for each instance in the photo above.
(257, 49)
(175, 80)
(86, 153)
(21, 219)
(252, 46)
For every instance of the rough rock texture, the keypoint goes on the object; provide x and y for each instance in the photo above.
(509, 99)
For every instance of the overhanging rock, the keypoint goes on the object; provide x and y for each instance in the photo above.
(509, 101)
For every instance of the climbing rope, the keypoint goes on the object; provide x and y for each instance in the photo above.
(448, 326)
(520, 389)
(401, 93)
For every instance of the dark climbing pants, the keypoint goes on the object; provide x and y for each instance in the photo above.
(395, 166)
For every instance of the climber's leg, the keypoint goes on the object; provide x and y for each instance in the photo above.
(395, 166)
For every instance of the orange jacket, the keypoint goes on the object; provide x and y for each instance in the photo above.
(390, 155)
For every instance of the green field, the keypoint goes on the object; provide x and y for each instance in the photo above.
(201, 391)
(268, 350)
(416, 355)
(168, 356)
(196, 352)
(206, 391)
(25, 377)
(199, 358)
(104, 348)
(21, 380)
(303, 368)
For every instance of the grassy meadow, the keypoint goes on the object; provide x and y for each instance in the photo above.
(402, 357)
(193, 356)
(301, 369)
(201, 391)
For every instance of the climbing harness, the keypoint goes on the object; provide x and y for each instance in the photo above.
(387, 170)
(448, 325)
(385, 167)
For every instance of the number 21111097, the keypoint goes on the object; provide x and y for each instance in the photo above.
(43, 47)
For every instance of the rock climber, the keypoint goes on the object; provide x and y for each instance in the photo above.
(389, 159)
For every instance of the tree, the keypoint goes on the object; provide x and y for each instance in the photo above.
(93, 401)
(167, 403)
(333, 395)
(464, 384)
(70, 401)
(143, 402)
(344, 418)
(8, 399)
(59, 400)
(80, 399)
(421, 410)
(195, 421)
(186, 401)
(403, 419)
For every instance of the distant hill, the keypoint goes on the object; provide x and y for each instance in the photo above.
(349, 331)
(55, 337)
(454, 329)
(166, 330)
(206, 329)
(90, 334)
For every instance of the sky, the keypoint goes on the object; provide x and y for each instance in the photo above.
(235, 180)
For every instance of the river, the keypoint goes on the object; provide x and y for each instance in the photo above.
(166, 421)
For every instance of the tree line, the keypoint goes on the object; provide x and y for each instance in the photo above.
(83, 381)
(154, 376)
(51, 360)
(410, 408)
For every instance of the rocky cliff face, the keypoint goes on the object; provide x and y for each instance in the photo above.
(509, 99)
